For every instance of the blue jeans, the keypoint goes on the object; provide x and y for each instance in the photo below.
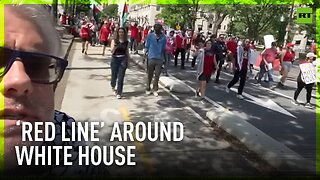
(132, 44)
(263, 70)
(167, 60)
(118, 70)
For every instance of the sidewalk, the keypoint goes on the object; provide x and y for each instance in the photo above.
(88, 97)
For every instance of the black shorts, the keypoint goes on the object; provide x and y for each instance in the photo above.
(202, 77)
(85, 39)
(105, 43)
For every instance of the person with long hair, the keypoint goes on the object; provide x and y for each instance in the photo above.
(85, 36)
(119, 61)
(207, 66)
(286, 60)
(104, 35)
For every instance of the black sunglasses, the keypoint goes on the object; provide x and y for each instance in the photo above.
(41, 68)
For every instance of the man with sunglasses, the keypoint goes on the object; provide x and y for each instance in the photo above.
(30, 70)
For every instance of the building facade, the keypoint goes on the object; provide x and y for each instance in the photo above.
(144, 14)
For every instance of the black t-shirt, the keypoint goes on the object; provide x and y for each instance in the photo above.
(121, 48)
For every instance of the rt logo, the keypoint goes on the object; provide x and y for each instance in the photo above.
(304, 16)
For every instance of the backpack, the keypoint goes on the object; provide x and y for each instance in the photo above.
(84, 32)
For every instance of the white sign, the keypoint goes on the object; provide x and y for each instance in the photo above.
(268, 39)
(308, 73)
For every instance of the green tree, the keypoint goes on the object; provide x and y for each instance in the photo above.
(259, 20)
(184, 13)
(111, 11)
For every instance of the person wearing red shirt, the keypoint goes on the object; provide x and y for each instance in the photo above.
(104, 35)
(241, 67)
(85, 36)
(133, 37)
(232, 49)
(207, 66)
(286, 60)
(180, 47)
(145, 34)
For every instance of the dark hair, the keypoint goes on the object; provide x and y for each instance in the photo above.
(117, 38)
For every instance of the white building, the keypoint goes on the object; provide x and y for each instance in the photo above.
(144, 14)
(206, 24)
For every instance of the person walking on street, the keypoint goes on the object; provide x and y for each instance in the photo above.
(268, 57)
(119, 61)
(180, 47)
(104, 35)
(232, 49)
(241, 67)
(85, 36)
(155, 48)
(198, 42)
(169, 51)
(219, 48)
(286, 60)
(133, 37)
(301, 82)
(206, 66)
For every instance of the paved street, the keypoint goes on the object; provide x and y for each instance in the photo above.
(271, 111)
(86, 95)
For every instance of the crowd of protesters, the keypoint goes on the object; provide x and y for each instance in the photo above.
(208, 54)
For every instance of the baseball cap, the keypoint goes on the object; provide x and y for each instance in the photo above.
(309, 55)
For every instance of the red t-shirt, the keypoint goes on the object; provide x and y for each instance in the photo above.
(270, 55)
(181, 41)
(84, 31)
(134, 32)
(245, 58)
(288, 56)
(208, 64)
(232, 46)
(104, 33)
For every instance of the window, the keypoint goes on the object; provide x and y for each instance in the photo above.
(158, 8)
(224, 27)
(210, 25)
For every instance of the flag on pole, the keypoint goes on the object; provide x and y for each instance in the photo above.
(124, 15)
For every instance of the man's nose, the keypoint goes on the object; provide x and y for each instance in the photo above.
(16, 81)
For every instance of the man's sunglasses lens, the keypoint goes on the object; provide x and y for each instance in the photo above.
(40, 68)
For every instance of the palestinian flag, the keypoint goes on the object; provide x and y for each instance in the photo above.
(97, 11)
(124, 15)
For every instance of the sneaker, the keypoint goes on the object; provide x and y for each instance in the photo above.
(118, 96)
(82, 50)
(295, 102)
(308, 105)
(155, 94)
(227, 89)
(197, 94)
(148, 92)
(239, 96)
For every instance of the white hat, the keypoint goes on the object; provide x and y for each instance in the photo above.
(309, 55)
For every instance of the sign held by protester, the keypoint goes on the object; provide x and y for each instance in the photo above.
(308, 73)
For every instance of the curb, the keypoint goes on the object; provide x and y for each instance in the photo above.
(276, 154)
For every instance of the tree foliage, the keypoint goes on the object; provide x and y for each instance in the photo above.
(183, 13)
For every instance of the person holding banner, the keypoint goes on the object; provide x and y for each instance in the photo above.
(306, 79)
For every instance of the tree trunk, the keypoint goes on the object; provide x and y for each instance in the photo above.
(218, 23)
